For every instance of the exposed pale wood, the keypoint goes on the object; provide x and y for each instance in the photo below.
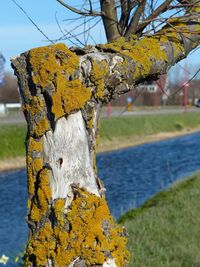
(67, 155)
(110, 263)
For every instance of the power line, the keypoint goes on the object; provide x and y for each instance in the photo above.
(182, 86)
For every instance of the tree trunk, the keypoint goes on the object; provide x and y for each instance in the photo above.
(69, 220)
(68, 217)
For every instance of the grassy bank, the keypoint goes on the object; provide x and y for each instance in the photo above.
(164, 232)
(123, 127)
(115, 132)
(12, 138)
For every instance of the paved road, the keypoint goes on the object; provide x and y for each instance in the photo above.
(18, 117)
(13, 118)
(136, 112)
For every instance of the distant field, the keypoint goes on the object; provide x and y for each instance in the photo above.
(115, 128)
(122, 127)
(12, 140)
(164, 232)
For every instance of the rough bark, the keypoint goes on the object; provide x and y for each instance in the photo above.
(110, 20)
(136, 18)
(68, 217)
(62, 91)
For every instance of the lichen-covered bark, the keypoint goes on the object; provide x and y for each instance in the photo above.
(128, 62)
(62, 91)
(69, 220)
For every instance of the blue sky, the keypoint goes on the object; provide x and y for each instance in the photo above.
(18, 34)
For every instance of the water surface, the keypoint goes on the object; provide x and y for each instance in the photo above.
(130, 175)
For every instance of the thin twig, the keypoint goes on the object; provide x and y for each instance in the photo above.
(182, 86)
(77, 11)
(61, 30)
(30, 19)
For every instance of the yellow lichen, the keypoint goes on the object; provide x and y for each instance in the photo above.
(34, 145)
(35, 213)
(37, 110)
(34, 165)
(174, 34)
(86, 231)
(37, 165)
(90, 122)
(98, 74)
(36, 105)
(44, 191)
(48, 61)
(69, 96)
(37, 206)
(43, 246)
(144, 52)
(57, 64)
(41, 204)
(59, 211)
(149, 49)
(42, 126)
(44, 183)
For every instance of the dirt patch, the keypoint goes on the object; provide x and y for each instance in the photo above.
(12, 164)
(117, 143)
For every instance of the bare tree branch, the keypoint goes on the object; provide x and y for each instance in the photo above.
(90, 3)
(69, 34)
(182, 86)
(30, 19)
(124, 15)
(153, 55)
(135, 19)
(163, 21)
(110, 19)
(77, 11)
(161, 9)
(61, 30)
(126, 8)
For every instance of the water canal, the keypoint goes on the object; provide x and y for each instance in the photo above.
(130, 175)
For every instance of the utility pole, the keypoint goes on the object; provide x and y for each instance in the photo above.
(108, 110)
(185, 87)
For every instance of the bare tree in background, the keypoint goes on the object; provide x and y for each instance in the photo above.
(122, 17)
(8, 90)
(62, 91)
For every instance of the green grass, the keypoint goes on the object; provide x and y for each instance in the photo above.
(12, 140)
(12, 137)
(165, 231)
(146, 125)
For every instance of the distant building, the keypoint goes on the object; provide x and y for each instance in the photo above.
(194, 90)
(148, 88)
(149, 94)
(193, 93)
